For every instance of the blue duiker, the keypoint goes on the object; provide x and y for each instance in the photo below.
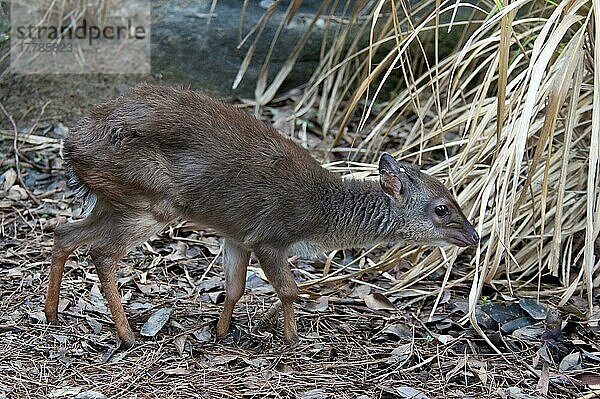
(156, 154)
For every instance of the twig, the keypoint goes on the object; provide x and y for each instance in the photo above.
(211, 264)
(37, 120)
(16, 152)
(269, 319)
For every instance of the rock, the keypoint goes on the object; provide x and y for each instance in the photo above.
(188, 50)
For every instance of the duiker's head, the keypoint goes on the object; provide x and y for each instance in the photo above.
(430, 212)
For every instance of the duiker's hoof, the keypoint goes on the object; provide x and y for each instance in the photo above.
(51, 316)
(292, 341)
(221, 331)
(126, 343)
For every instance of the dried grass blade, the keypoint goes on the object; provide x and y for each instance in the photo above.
(538, 70)
(260, 26)
(593, 180)
(264, 96)
(505, 34)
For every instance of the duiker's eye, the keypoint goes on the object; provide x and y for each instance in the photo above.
(441, 210)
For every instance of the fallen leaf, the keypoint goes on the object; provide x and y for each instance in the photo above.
(179, 253)
(156, 322)
(63, 304)
(542, 355)
(530, 332)
(445, 298)
(502, 312)
(398, 330)
(535, 309)
(361, 291)
(256, 362)
(411, 393)
(94, 325)
(203, 335)
(400, 354)
(544, 381)
(216, 297)
(146, 289)
(569, 362)
(255, 282)
(178, 371)
(515, 324)
(38, 316)
(16, 193)
(378, 301)
(10, 177)
(90, 395)
(459, 367)
(61, 392)
(314, 394)
(61, 355)
(97, 300)
(180, 343)
(594, 356)
(320, 305)
(209, 284)
(513, 393)
(212, 244)
(222, 359)
(480, 369)
(444, 339)
(116, 358)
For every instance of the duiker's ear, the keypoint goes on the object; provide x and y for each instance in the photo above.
(389, 176)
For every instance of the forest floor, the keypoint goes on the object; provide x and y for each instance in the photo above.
(356, 341)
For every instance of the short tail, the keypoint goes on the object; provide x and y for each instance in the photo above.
(81, 190)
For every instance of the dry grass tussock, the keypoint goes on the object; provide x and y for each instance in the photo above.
(508, 112)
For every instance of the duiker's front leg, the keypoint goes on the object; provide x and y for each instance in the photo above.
(274, 263)
(67, 237)
(235, 263)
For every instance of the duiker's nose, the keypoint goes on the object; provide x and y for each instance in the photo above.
(475, 238)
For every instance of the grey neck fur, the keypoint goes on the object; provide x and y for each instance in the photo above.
(356, 213)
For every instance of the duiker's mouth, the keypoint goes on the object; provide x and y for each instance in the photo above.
(463, 238)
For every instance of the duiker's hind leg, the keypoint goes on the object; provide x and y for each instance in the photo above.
(105, 267)
(67, 238)
(118, 234)
(235, 263)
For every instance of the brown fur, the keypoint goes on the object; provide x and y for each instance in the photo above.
(156, 154)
